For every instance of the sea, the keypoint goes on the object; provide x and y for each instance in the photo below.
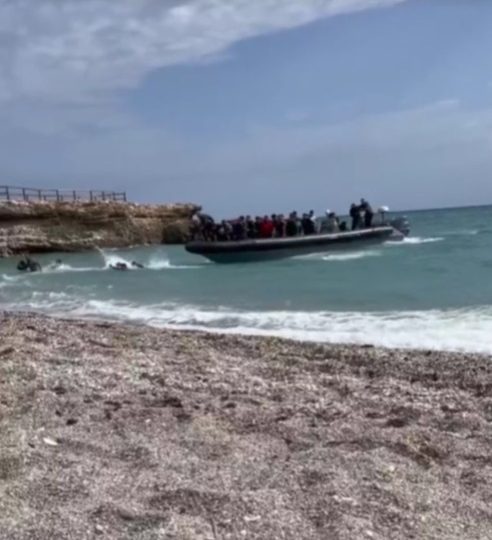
(431, 291)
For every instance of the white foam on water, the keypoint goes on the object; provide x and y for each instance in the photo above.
(162, 262)
(110, 259)
(463, 232)
(156, 262)
(11, 279)
(414, 241)
(54, 268)
(350, 256)
(338, 255)
(457, 329)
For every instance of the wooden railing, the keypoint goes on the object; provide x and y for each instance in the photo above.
(13, 193)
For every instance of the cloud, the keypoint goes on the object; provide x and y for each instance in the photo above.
(438, 153)
(79, 51)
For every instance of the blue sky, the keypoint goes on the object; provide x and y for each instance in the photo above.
(248, 107)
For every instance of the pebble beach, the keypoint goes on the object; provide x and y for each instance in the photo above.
(123, 431)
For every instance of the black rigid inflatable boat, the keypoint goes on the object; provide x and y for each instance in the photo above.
(279, 248)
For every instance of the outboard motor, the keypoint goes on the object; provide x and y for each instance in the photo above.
(401, 224)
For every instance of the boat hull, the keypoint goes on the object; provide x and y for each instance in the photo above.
(280, 248)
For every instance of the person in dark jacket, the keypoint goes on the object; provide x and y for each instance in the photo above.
(355, 216)
(291, 225)
(239, 229)
(279, 226)
(307, 224)
(250, 228)
(368, 213)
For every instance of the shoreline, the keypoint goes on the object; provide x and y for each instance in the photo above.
(123, 430)
(252, 332)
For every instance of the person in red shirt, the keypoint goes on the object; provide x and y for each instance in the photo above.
(266, 228)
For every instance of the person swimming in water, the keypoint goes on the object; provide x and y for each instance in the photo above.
(119, 266)
(28, 265)
(136, 264)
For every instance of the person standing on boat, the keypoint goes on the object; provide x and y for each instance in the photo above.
(314, 221)
(291, 225)
(250, 227)
(306, 224)
(355, 216)
(239, 229)
(280, 226)
(266, 228)
(257, 227)
(331, 223)
(298, 223)
(368, 213)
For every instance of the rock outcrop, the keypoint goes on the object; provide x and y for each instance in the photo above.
(72, 226)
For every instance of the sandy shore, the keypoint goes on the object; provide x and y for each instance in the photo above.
(113, 431)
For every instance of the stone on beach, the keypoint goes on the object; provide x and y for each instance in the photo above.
(192, 435)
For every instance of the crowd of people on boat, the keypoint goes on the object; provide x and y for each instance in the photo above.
(280, 225)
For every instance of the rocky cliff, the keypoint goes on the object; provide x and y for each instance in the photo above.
(71, 226)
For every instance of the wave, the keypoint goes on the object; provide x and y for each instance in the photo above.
(54, 268)
(414, 241)
(351, 256)
(463, 232)
(162, 262)
(156, 262)
(457, 329)
(12, 279)
(338, 256)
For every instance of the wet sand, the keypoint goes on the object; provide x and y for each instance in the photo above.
(117, 431)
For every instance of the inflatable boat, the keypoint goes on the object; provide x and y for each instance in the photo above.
(280, 248)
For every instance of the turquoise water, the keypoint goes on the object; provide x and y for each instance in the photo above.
(434, 290)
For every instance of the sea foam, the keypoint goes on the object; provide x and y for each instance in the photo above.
(455, 329)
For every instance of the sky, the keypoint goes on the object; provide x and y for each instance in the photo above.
(250, 106)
